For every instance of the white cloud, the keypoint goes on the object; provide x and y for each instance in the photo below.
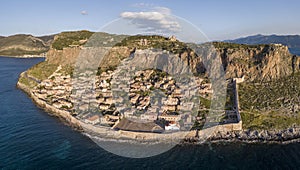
(84, 13)
(142, 5)
(160, 19)
(163, 10)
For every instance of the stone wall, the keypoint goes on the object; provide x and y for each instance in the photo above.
(236, 100)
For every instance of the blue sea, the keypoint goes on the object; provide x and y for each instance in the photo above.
(32, 139)
(295, 51)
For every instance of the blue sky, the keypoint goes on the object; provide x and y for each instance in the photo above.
(217, 19)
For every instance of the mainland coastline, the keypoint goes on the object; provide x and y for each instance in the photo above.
(26, 56)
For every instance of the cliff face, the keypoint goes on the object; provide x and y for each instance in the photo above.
(296, 63)
(67, 56)
(258, 63)
(254, 63)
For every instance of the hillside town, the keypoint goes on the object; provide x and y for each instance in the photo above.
(89, 98)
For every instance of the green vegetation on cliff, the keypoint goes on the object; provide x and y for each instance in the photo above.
(153, 41)
(42, 70)
(269, 120)
(37, 73)
(273, 104)
(277, 94)
(224, 45)
(28, 82)
(72, 38)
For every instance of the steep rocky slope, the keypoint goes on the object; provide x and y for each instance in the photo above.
(253, 62)
(257, 62)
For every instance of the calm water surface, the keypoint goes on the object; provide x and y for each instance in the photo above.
(295, 51)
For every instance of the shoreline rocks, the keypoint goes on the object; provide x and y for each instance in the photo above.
(284, 136)
(67, 118)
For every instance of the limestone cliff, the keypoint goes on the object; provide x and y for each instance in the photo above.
(254, 62)
(258, 62)
(67, 56)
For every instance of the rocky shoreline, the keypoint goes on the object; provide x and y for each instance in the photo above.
(284, 136)
(63, 115)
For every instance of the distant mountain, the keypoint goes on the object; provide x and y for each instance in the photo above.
(48, 39)
(22, 44)
(292, 41)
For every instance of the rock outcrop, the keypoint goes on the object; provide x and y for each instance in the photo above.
(255, 63)
(67, 56)
(258, 63)
(296, 63)
(278, 136)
